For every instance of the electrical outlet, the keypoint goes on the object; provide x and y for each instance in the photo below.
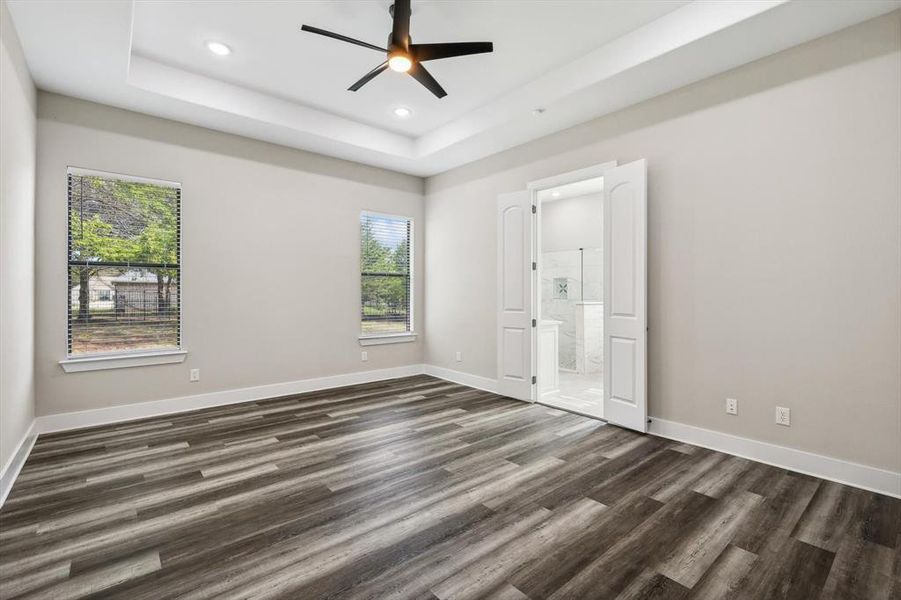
(459, 356)
(364, 356)
(195, 375)
(783, 416)
(732, 406)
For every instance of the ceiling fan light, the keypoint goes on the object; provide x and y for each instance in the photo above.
(400, 63)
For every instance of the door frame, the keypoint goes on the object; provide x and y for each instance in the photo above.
(534, 187)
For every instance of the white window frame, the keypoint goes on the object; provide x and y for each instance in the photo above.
(392, 338)
(127, 358)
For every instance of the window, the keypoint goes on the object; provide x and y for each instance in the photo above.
(124, 271)
(385, 271)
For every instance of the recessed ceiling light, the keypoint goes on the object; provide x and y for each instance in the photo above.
(402, 112)
(555, 194)
(538, 111)
(218, 48)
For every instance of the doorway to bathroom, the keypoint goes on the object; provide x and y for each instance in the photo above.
(554, 304)
(569, 246)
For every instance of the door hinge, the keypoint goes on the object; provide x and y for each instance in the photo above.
(534, 266)
(534, 209)
(534, 380)
(534, 322)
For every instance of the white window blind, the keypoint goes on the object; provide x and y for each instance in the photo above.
(385, 270)
(124, 247)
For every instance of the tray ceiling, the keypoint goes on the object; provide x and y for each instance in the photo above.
(575, 59)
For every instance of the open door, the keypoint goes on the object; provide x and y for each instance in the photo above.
(625, 295)
(514, 295)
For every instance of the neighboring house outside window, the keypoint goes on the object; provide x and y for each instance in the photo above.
(124, 264)
(386, 260)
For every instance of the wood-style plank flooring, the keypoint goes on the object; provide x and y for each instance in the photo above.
(420, 488)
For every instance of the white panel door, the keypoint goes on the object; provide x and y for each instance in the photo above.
(625, 295)
(514, 295)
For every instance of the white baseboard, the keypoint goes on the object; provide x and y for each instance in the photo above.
(857, 475)
(156, 408)
(169, 406)
(825, 467)
(475, 381)
(16, 461)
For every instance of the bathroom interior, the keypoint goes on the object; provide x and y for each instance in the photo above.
(570, 333)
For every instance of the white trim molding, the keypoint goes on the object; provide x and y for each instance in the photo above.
(591, 172)
(157, 408)
(485, 384)
(15, 463)
(833, 469)
(825, 467)
(392, 338)
(120, 361)
(82, 172)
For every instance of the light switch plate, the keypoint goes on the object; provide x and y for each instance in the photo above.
(195, 375)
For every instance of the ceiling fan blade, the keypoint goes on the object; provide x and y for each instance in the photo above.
(368, 77)
(424, 52)
(419, 73)
(343, 38)
(400, 32)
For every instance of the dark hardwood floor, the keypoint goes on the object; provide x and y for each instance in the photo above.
(419, 488)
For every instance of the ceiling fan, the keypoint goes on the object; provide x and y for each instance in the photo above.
(404, 56)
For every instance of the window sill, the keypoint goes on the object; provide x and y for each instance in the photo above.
(394, 338)
(120, 361)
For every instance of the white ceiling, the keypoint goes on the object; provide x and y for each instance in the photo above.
(576, 189)
(579, 59)
(275, 57)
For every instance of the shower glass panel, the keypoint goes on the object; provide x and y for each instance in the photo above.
(571, 291)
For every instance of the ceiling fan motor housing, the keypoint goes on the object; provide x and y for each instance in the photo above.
(404, 56)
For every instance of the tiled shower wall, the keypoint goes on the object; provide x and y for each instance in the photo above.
(562, 289)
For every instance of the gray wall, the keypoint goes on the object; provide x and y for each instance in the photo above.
(572, 223)
(270, 265)
(775, 249)
(17, 171)
(774, 244)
